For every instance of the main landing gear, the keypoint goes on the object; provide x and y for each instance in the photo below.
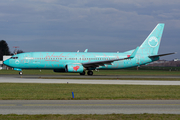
(89, 73)
(20, 73)
(83, 73)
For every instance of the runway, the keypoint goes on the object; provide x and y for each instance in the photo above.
(89, 106)
(35, 79)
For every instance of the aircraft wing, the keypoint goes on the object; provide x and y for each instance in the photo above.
(100, 63)
(107, 62)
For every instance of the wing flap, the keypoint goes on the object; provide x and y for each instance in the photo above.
(99, 63)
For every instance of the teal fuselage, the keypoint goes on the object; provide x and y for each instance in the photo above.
(58, 60)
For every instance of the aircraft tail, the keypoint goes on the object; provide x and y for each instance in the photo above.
(151, 45)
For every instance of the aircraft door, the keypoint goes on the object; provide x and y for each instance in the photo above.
(26, 58)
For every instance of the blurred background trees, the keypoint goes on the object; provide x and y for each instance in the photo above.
(4, 49)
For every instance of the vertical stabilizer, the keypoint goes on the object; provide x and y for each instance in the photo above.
(151, 45)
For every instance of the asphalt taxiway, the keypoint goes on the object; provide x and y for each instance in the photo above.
(37, 79)
(89, 106)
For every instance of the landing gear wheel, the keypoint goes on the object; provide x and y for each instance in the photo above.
(90, 72)
(83, 73)
(20, 73)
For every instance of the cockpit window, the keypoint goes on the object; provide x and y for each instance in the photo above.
(14, 57)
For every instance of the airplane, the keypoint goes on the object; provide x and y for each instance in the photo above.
(80, 62)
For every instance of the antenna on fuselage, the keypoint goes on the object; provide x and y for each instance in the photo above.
(15, 51)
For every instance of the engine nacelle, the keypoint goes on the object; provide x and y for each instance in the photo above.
(74, 68)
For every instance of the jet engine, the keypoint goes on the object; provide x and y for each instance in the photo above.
(74, 68)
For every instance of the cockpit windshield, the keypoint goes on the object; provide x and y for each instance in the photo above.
(14, 58)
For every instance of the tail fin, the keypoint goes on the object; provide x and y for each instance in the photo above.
(151, 45)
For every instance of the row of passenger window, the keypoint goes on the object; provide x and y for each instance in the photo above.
(92, 58)
(76, 58)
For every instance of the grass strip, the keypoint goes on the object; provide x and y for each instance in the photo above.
(32, 91)
(101, 72)
(93, 117)
(159, 79)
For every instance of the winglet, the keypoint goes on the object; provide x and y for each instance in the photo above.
(134, 53)
(86, 50)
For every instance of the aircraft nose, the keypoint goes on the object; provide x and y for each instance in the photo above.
(6, 62)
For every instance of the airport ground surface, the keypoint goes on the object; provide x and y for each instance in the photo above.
(84, 80)
(89, 77)
(89, 106)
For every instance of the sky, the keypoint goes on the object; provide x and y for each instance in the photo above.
(96, 25)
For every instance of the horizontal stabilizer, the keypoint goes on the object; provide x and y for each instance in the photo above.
(162, 55)
(134, 53)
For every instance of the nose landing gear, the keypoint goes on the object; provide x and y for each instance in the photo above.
(20, 73)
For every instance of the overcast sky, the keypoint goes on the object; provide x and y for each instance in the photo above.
(98, 25)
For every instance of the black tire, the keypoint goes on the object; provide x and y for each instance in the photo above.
(90, 72)
(20, 73)
(83, 73)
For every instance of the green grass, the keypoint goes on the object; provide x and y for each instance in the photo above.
(115, 78)
(159, 68)
(137, 72)
(28, 72)
(93, 117)
(101, 72)
(22, 91)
